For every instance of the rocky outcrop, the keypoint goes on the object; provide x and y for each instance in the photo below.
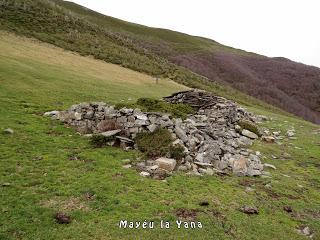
(211, 137)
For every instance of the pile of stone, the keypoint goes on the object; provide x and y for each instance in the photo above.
(212, 139)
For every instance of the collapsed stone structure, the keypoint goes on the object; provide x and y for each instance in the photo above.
(212, 138)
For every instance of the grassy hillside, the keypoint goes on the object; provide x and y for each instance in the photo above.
(46, 167)
(31, 71)
(63, 24)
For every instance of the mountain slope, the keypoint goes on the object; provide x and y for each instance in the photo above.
(289, 85)
(193, 61)
(47, 167)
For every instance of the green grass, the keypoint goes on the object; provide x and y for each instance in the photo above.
(49, 167)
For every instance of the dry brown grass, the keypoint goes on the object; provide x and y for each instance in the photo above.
(66, 205)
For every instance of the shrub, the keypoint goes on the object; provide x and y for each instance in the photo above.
(154, 144)
(159, 144)
(153, 105)
(176, 152)
(249, 126)
(99, 141)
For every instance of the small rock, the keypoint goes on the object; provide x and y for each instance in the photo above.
(249, 210)
(267, 165)
(288, 209)
(153, 168)
(291, 133)
(141, 116)
(50, 114)
(183, 168)
(249, 189)
(6, 184)
(111, 133)
(8, 131)
(126, 161)
(144, 174)
(127, 166)
(276, 133)
(203, 164)
(305, 231)
(268, 139)
(209, 171)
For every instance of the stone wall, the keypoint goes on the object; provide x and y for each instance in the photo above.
(211, 137)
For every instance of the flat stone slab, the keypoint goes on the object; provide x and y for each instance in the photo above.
(111, 133)
(124, 139)
(249, 134)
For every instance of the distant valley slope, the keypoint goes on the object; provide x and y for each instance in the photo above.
(193, 61)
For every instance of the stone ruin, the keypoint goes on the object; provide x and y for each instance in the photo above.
(212, 139)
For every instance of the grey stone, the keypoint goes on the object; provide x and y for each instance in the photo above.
(111, 133)
(131, 119)
(152, 127)
(209, 171)
(291, 133)
(203, 164)
(126, 110)
(183, 168)
(124, 139)
(181, 134)
(122, 119)
(144, 174)
(139, 123)
(244, 141)
(267, 165)
(50, 114)
(133, 130)
(188, 158)
(253, 172)
(152, 168)
(249, 134)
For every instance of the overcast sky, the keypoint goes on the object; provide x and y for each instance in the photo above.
(286, 28)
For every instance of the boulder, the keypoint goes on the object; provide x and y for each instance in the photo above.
(240, 167)
(167, 164)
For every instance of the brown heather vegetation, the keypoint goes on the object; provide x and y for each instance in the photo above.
(292, 86)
